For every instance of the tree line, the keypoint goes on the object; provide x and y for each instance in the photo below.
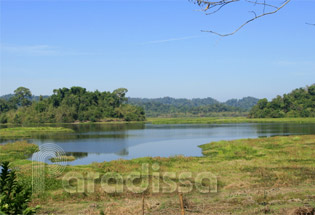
(77, 104)
(299, 103)
(172, 107)
(67, 105)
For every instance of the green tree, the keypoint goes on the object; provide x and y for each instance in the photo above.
(22, 96)
(4, 106)
(14, 196)
(68, 105)
(311, 90)
(299, 103)
(120, 93)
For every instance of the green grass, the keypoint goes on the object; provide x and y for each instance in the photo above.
(215, 120)
(31, 131)
(17, 151)
(62, 158)
(273, 175)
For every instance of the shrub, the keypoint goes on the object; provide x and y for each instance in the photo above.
(14, 196)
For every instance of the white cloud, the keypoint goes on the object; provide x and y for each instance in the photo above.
(170, 40)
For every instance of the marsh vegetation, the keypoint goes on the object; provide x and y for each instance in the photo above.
(274, 175)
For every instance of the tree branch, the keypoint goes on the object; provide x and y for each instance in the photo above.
(210, 5)
(264, 4)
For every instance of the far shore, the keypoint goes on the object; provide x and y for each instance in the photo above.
(183, 120)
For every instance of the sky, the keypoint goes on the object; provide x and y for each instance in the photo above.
(155, 48)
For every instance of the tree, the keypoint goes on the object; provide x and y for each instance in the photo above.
(14, 196)
(4, 107)
(22, 96)
(311, 90)
(68, 105)
(265, 8)
(299, 103)
(121, 93)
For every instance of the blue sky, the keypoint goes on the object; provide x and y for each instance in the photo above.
(154, 48)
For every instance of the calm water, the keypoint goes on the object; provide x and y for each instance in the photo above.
(98, 143)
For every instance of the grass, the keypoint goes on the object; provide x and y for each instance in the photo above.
(215, 120)
(62, 158)
(17, 151)
(31, 131)
(274, 175)
(193, 120)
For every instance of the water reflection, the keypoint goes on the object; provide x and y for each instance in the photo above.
(77, 155)
(97, 143)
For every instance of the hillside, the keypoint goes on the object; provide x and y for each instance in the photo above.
(299, 103)
(175, 102)
(172, 107)
(169, 107)
(245, 103)
(32, 98)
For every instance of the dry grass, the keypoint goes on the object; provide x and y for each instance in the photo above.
(16, 151)
(31, 131)
(273, 175)
(62, 158)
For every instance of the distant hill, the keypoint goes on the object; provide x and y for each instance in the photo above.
(299, 103)
(173, 107)
(33, 98)
(245, 103)
(176, 102)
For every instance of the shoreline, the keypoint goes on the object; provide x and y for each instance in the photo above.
(183, 120)
(251, 167)
(227, 120)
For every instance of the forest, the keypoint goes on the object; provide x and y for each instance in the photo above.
(67, 106)
(299, 103)
(207, 107)
(76, 104)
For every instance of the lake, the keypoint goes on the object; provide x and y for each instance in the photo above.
(106, 142)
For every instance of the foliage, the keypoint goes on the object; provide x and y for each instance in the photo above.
(299, 103)
(216, 120)
(172, 107)
(245, 103)
(130, 113)
(17, 150)
(175, 102)
(22, 96)
(276, 171)
(66, 106)
(62, 158)
(77, 104)
(7, 97)
(158, 109)
(14, 196)
(31, 131)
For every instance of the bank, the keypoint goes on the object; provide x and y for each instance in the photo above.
(274, 175)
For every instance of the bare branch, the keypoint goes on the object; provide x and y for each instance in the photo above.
(209, 5)
(264, 4)
(216, 9)
(309, 23)
(216, 5)
(253, 13)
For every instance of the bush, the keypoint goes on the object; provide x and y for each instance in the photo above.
(14, 197)
(299, 103)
